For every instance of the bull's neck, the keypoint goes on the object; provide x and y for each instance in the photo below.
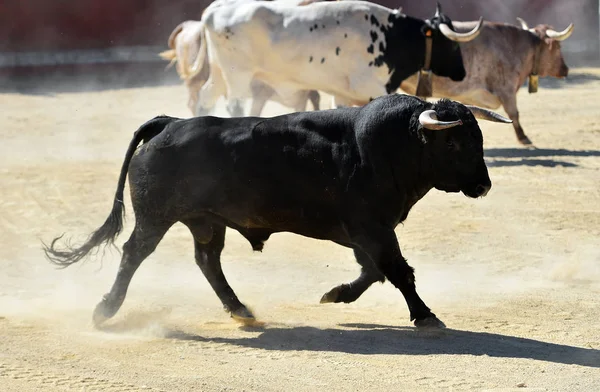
(413, 175)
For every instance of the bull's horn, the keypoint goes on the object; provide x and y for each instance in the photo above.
(523, 23)
(428, 120)
(485, 114)
(562, 35)
(438, 10)
(461, 37)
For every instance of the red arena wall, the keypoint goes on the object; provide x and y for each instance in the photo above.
(59, 32)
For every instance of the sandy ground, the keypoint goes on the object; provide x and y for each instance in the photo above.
(515, 276)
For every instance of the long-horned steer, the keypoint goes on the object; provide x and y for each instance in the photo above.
(498, 62)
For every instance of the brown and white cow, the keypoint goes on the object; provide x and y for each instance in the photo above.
(498, 62)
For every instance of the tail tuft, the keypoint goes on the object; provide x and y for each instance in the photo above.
(112, 227)
(169, 55)
(106, 234)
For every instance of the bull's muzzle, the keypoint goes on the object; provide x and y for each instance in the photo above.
(481, 190)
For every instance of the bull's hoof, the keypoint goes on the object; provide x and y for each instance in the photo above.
(331, 296)
(430, 322)
(245, 317)
(100, 314)
(525, 141)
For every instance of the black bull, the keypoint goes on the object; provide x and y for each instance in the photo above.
(347, 175)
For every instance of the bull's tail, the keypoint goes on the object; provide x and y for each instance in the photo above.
(108, 232)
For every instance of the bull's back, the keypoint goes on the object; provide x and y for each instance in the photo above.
(243, 164)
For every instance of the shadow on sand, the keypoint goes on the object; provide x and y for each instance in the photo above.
(574, 79)
(537, 153)
(530, 162)
(370, 339)
(531, 157)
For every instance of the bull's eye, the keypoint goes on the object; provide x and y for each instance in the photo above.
(451, 145)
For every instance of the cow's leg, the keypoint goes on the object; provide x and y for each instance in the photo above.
(315, 99)
(261, 93)
(382, 248)
(238, 88)
(141, 244)
(258, 104)
(209, 241)
(349, 292)
(194, 86)
(509, 102)
(210, 92)
(235, 107)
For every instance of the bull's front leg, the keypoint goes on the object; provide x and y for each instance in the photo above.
(349, 292)
(382, 247)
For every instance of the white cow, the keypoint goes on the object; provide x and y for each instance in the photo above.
(352, 50)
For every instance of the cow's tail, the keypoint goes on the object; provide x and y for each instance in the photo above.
(196, 68)
(171, 55)
(108, 232)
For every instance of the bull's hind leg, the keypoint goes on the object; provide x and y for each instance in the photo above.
(349, 292)
(141, 244)
(209, 242)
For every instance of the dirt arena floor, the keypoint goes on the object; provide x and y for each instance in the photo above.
(515, 276)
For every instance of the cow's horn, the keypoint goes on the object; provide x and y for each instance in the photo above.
(485, 114)
(461, 37)
(562, 35)
(523, 23)
(428, 120)
(438, 9)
